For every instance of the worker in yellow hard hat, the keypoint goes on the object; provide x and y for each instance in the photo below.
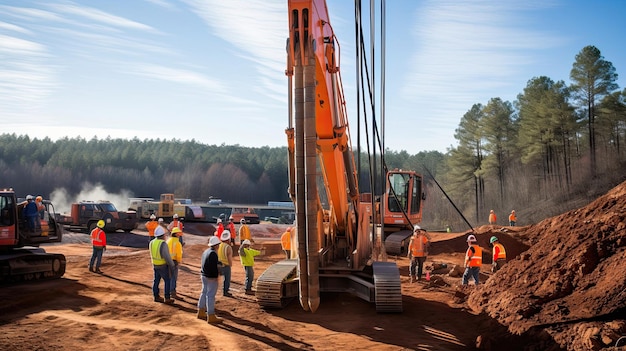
(176, 253)
(99, 244)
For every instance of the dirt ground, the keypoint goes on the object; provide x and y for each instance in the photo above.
(115, 310)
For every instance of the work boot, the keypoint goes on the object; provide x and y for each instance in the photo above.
(169, 301)
(212, 319)
(91, 269)
(249, 292)
(202, 314)
(173, 295)
(158, 299)
(97, 270)
(227, 294)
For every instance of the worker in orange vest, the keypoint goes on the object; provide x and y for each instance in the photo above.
(473, 260)
(492, 217)
(498, 254)
(99, 244)
(176, 223)
(418, 250)
(512, 219)
(220, 229)
(231, 228)
(285, 242)
(151, 226)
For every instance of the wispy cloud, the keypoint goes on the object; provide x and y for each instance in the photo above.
(253, 27)
(179, 76)
(92, 14)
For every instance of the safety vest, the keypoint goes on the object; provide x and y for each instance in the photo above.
(151, 226)
(512, 217)
(175, 223)
(285, 241)
(501, 253)
(221, 253)
(244, 232)
(476, 258)
(98, 237)
(176, 249)
(155, 252)
(418, 246)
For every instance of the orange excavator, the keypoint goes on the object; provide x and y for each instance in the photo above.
(340, 232)
(21, 259)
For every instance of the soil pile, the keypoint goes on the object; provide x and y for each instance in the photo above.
(570, 283)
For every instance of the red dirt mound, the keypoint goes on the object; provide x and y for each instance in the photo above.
(570, 283)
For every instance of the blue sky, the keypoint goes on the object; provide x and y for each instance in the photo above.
(213, 70)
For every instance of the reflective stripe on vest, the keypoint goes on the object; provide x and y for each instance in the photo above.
(502, 253)
(476, 259)
(417, 246)
(96, 239)
(155, 252)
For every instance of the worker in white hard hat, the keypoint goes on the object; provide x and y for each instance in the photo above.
(176, 223)
(209, 273)
(473, 260)
(417, 252)
(225, 255)
(151, 226)
(99, 245)
(30, 213)
(162, 264)
(244, 231)
(220, 229)
(246, 255)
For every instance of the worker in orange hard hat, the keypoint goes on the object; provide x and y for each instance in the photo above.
(512, 218)
(285, 242)
(473, 260)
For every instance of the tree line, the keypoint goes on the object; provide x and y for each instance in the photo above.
(553, 147)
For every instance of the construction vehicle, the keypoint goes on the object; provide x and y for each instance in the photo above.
(166, 207)
(21, 259)
(84, 216)
(337, 238)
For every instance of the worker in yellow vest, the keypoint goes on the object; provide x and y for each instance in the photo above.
(498, 254)
(162, 264)
(473, 260)
(176, 252)
(285, 242)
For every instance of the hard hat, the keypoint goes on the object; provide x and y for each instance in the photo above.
(491, 211)
(493, 240)
(219, 220)
(242, 221)
(29, 197)
(159, 231)
(416, 228)
(176, 230)
(160, 219)
(214, 240)
(100, 224)
(225, 235)
(471, 238)
(152, 216)
(175, 215)
(230, 218)
(289, 229)
(246, 242)
(513, 211)
(39, 198)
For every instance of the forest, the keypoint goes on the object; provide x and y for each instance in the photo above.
(556, 147)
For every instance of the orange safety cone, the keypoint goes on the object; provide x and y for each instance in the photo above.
(427, 275)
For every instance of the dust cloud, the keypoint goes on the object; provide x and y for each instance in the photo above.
(62, 200)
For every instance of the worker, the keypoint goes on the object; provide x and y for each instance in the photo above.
(162, 264)
(244, 231)
(231, 229)
(40, 207)
(492, 217)
(512, 218)
(220, 229)
(30, 213)
(473, 260)
(418, 250)
(246, 255)
(151, 226)
(99, 245)
(498, 254)
(176, 253)
(225, 255)
(176, 223)
(209, 273)
(285, 242)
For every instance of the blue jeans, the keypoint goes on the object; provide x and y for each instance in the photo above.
(207, 296)
(473, 271)
(161, 272)
(96, 256)
(249, 276)
(174, 277)
(225, 270)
